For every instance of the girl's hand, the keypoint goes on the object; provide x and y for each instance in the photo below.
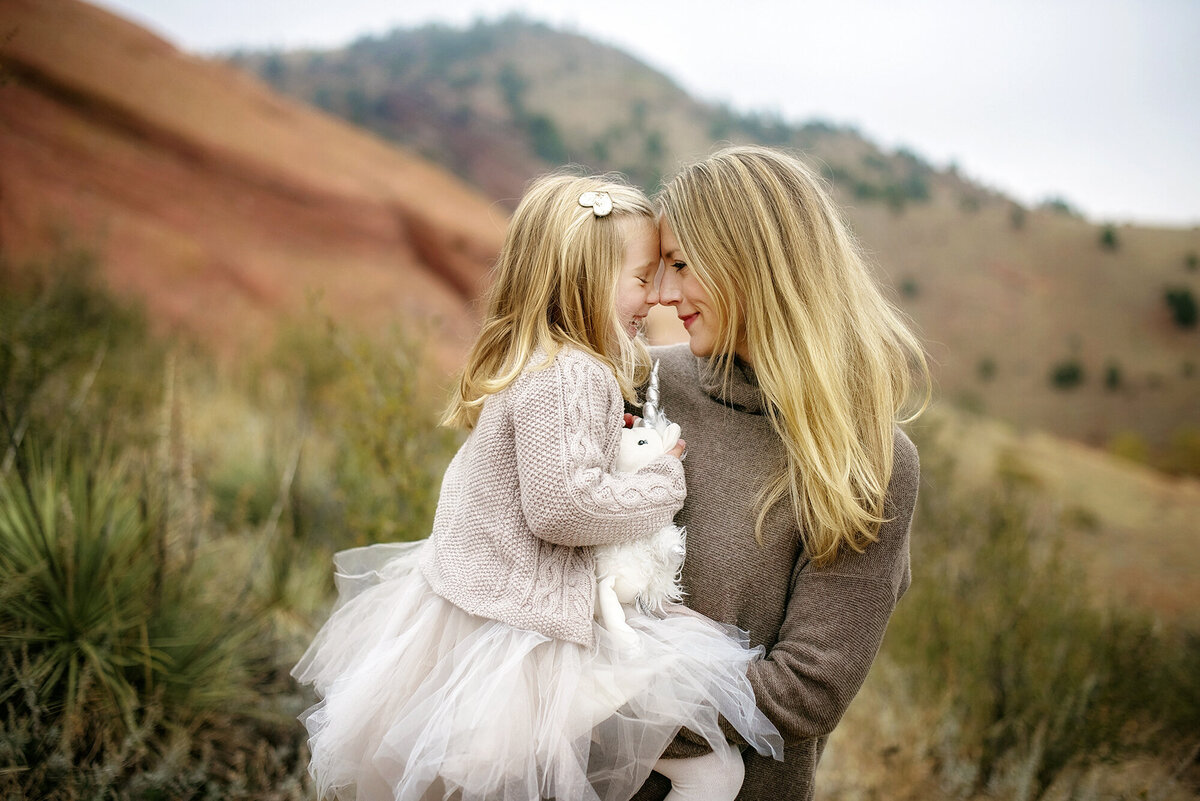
(679, 450)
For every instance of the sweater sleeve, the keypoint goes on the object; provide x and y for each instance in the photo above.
(836, 618)
(566, 423)
(833, 626)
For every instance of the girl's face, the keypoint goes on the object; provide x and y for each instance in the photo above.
(682, 289)
(635, 281)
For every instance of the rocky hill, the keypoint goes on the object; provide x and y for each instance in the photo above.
(222, 205)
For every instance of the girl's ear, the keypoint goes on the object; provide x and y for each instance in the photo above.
(670, 437)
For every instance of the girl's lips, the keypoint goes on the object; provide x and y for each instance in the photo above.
(689, 319)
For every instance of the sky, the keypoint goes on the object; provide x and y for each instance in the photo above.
(1095, 102)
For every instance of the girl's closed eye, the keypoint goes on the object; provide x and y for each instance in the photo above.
(679, 265)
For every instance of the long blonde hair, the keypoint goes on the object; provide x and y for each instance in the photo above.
(835, 361)
(555, 284)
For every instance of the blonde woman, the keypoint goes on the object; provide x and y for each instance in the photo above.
(470, 665)
(800, 485)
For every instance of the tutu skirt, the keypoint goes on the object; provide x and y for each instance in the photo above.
(421, 700)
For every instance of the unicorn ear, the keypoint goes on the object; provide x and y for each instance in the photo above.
(670, 437)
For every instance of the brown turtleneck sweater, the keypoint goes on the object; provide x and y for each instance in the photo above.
(821, 626)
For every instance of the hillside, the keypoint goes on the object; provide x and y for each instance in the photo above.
(225, 207)
(1132, 529)
(1006, 297)
(499, 102)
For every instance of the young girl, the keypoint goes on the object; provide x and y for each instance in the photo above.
(470, 665)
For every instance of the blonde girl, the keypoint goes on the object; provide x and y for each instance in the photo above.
(470, 665)
(800, 485)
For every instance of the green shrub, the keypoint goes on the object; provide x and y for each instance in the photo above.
(1112, 377)
(374, 407)
(1059, 205)
(74, 360)
(1183, 452)
(1130, 445)
(1108, 238)
(1191, 262)
(1016, 216)
(1067, 374)
(986, 369)
(1182, 304)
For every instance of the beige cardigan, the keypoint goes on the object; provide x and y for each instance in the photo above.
(821, 626)
(531, 487)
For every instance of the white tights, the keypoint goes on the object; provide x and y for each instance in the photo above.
(716, 776)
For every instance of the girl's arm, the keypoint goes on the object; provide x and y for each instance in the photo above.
(567, 420)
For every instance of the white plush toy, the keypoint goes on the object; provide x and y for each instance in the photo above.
(643, 574)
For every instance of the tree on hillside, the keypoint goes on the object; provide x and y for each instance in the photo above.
(1067, 374)
(1183, 306)
(1108, 238)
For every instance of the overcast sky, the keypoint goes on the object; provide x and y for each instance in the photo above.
(1097, 102)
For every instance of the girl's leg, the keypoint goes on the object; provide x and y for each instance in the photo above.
(716, 776)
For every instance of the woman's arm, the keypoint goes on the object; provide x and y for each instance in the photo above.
(567, 420)
(835, 621)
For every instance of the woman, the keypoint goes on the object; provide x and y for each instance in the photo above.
(800, 486)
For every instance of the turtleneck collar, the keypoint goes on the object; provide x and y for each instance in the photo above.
(742, 392)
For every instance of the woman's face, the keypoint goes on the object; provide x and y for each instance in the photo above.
(682, 289)
(635, 281)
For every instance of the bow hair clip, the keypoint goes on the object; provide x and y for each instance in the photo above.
(599, 202)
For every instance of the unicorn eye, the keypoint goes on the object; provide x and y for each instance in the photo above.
(643, 442)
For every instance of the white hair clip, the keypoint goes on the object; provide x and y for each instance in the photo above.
(599, 202)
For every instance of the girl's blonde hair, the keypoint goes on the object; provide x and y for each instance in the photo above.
(835, 361)
(555, 284)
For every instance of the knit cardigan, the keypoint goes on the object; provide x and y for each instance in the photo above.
(531, 488)
(821, 626)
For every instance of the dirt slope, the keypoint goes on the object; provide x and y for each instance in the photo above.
(221, 204)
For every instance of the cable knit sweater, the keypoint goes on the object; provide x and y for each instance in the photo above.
(531, 488)
(821, 626)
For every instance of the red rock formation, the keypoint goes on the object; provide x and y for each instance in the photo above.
(222, 205)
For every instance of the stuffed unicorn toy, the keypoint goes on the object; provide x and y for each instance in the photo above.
(643, 574)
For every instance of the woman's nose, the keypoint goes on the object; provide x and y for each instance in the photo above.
(668, 288)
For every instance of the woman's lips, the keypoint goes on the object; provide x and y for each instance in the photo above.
(689, 319)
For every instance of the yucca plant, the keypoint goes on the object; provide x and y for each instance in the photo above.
(109, 625)
(76, 565)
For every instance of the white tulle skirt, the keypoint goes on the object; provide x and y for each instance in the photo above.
(422, 700)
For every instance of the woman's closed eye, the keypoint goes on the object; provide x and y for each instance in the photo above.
(679, 265)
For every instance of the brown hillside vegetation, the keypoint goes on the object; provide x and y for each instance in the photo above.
(1133, 529)
(223, 206)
